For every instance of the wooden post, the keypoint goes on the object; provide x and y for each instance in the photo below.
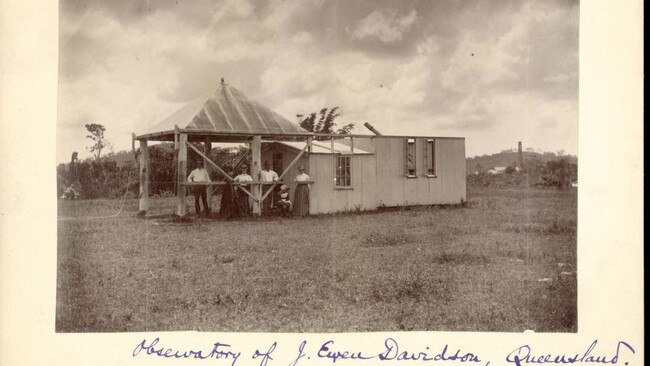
(256, 151)
(309, 195)
(286, 170)
(143, 170)
(176, 133)
(218, 168)
(334, 167)
(181, 175)
(207, 148)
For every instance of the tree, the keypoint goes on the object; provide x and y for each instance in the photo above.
(97, 136)
(326, 122)
(559, 173)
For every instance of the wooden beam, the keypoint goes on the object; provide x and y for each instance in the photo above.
(205, 183)
(143, 173)
(325, 147)
(333, 162)
(181, 176)
(207, 149)
(253, 183)
(286, 170)
(295, 160)
(256, 167)
(241, 160)
(207, 159)
(167, 135)
(176, 133)
(218, 168)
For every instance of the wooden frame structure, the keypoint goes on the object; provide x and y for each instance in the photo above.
(181, 139)
(228, 116)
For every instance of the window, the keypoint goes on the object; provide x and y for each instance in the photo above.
(410, 158)
(343, 176)
(430, 162)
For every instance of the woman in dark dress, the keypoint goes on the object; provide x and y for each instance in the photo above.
(242, 199)
(301, 196)
(228, 209)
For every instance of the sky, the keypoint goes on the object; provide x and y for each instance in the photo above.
(494, 72)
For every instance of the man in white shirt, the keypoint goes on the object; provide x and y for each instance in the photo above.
(200, 175)
(268, 175)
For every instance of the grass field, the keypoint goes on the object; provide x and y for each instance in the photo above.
(506, 262)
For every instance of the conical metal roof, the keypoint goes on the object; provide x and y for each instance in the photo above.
(228, 110)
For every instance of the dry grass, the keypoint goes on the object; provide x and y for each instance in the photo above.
(476, 268)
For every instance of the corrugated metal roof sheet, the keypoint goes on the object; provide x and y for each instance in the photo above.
(322, 147)
(228, 110)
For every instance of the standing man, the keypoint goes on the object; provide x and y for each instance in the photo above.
(268, 175)
(200, 175)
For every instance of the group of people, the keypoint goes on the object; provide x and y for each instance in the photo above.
(236, 198)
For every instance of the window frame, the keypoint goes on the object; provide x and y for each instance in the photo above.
(337, 177)
(407, 173)
(430, 161)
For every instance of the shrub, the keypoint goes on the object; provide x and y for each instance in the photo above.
(164, 194)
(106, 179)
(70, 193)
(559, 173)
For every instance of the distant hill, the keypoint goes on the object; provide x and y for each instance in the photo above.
(508, 158)
(481, 164)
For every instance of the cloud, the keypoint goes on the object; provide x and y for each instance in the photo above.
(557, 78)
(303, 38)
(407, 68)
(384, 25)
(488, 59)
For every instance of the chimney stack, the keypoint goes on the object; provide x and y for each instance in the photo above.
(520, 157)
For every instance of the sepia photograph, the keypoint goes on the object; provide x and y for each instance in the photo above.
(317, 166)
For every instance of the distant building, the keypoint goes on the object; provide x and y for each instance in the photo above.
(497, 170)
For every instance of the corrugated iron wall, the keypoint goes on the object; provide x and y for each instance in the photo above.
(380, 179)
(395, 189)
